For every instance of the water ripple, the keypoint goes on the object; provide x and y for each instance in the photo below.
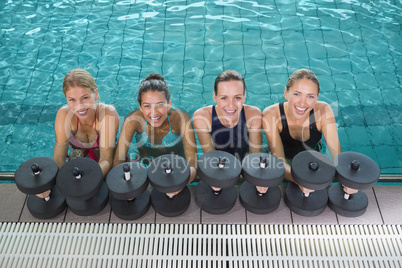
(181, 8)
(33, 31)
(341, 14)
(220, 17)
(81, 21)
(137, 16)
(132, 2)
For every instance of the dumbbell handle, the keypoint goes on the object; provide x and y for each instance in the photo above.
(77, 173)
(127, 176)
(126, 169)
(35, 169)
(263, 162)
(221, 162)
(168, 167)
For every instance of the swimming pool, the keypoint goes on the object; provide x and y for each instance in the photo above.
(354, 47)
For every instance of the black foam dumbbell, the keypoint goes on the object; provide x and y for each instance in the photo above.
(127, 184)
(312, 170)
(169, 173)
(36, 176)
(220, 170)
(81, 182)
(264, 170)
(356, 171)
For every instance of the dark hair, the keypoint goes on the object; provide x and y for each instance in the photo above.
(228, 75)
(300, 74)
(154, 82)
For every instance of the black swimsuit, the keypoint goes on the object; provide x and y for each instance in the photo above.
(232, 140)
(291, 146)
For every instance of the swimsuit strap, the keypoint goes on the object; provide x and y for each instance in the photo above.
(213, 112)
(145, 126)
(283, 116)
(242, 116)
(312, 123)
(170, 127)
(78, 124)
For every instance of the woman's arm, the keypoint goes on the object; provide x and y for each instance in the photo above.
(127, 132)
(270, 122)
(202, 120)
(254, 123)
(330, 133)
(189, 143)
(329, 129)
(62, 129)
(109, 124)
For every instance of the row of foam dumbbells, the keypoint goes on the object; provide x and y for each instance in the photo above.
(79, 185)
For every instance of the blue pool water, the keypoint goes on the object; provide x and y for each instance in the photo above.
(354, 47)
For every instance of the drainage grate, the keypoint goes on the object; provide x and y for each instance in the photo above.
(182, 245)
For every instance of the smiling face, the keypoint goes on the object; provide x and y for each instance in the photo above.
(229, 99)
(302, 97)
(82, 101)
(154, 107)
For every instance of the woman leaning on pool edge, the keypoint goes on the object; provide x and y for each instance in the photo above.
(86, 125)
(156, 129)
(290, 127)
(230, 125)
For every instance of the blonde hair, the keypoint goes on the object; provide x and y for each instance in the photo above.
(79, 78)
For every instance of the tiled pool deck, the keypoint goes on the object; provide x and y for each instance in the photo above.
(384, 208)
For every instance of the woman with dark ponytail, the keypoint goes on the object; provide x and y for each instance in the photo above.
(156, 129)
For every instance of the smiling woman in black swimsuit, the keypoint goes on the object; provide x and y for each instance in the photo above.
(299, 123)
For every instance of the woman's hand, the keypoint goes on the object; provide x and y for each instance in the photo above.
(348, 190)
(305, 190)
(171, 195)
(44, 194)
(262, 190)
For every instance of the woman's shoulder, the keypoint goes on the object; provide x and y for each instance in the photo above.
(63, 110)
(178, 116)
(135, 119)
(107, 109)
(323, 111)
(253, 116)
(251, 109)
(321, 104)
(63, 113)
(271, 110)
(323, 108)
(204, 112)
